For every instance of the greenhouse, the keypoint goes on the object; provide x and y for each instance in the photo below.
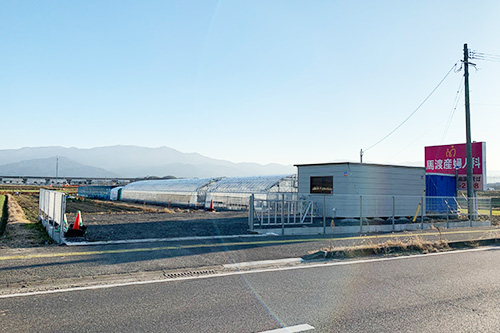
(233, 193)
(116, 193)
(179, 192)
(95, 192)
(221, 193)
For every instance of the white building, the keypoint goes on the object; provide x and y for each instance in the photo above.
(361, 189)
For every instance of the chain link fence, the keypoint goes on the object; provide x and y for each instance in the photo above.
(369, 210)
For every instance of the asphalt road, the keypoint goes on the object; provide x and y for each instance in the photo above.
(56, 266)
(454, 292)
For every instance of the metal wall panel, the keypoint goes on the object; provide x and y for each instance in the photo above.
(353, 180)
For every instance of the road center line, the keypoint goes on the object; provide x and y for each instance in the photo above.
(256, 271)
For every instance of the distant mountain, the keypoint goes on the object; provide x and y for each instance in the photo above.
(133, 161)
(47, 167)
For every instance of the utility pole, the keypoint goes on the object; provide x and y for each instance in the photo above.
(57, 168)
(361, 156)
(470, 185)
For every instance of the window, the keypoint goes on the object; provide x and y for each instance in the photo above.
(322, 184)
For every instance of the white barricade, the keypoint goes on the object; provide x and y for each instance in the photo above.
(51, 210)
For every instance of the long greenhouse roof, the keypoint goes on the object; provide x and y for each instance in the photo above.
(170, 185)
(256, 184)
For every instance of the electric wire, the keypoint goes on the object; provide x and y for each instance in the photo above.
(437, 124)
(440, 122)
(418, 107)
(484, 56)
(490, 60)
(455, 105)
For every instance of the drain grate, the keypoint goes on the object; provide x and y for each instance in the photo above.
(189, 274)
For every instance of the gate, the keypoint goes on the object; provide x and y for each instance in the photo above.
(280, 212)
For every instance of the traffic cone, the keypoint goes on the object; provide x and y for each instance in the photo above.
(211, 209)
(78, 221)
(65, 223)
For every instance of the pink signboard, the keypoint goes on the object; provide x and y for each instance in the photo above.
(449, 159)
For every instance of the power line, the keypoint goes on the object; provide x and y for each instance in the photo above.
(474, 53)
(420, 137)
(486, 59)
(439, 123)
(455, 105)
(407, 118)
(484, 56)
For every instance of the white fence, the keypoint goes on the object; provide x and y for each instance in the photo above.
(51, 210)
(280, 212)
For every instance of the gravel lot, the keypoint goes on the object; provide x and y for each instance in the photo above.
(104, 227)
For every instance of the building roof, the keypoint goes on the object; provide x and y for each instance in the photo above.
(256, 184)
(354, 163)
(170, 185)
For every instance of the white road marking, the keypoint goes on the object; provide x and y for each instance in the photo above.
(255, 271)
(291, 329)
(264, 262)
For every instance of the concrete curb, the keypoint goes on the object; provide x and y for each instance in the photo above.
(341, 230)
(264, 263)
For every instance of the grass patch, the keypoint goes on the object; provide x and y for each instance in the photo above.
(2, 202)
(395, 247)
(3, 213)
(29, 205)
(35, 189)
(21, 231)
(40, 235)
(410, 245)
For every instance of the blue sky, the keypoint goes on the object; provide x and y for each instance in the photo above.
(248, 81)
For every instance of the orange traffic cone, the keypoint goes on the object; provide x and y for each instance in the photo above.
(211, 209)
(78, 221)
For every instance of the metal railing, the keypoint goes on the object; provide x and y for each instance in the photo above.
(241, 201)
(280, 212)
(365, 210)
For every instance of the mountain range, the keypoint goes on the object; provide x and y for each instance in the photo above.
(125, 161)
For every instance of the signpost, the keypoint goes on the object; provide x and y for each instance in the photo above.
(452, 160)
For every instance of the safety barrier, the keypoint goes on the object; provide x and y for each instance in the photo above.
(51, 210)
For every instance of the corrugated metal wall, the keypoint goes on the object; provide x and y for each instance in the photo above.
(365, 179)
(439, 189)
(377, 183)
(95, 192)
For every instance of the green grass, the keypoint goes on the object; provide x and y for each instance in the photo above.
(3, 210)
(40, 235)
(2, 202)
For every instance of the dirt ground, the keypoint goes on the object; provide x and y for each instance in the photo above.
(107, 220)
(29, 203)
(99, 206)
(105, 227)
(21, 231)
